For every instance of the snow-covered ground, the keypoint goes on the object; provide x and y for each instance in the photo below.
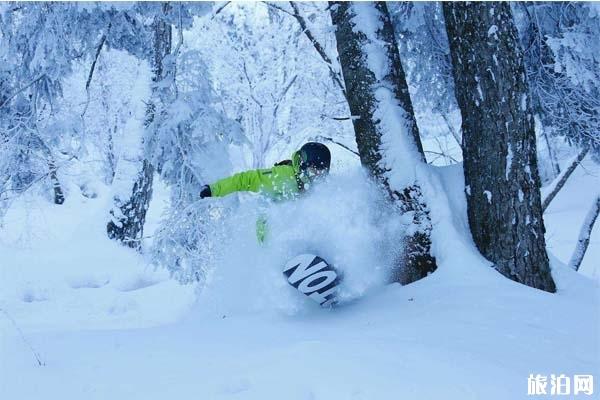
(105, 325)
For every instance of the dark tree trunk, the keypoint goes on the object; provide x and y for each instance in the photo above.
(386, 130)
(128, 218)
(499, 144)
(127, 224)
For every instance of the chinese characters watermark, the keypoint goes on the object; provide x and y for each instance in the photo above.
(560, 385)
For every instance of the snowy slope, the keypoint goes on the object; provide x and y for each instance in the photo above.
(108, 327)
(58, 270)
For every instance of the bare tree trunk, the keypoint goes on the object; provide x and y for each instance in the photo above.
(584, 235)
(560, 181)
(457, 137)
(128, 218)
(110, 153)
(551, 155)
(499, 143)
(127, 224)
(386, 131)
(59, 197)
(539, 55)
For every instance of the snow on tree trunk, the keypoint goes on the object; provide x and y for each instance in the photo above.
(584, 235)
(499, 144)
(133, 186)
(386, 130)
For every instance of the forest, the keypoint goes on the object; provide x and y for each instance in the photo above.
(163, 163)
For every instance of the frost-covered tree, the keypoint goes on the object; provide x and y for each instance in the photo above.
(187, 141)
(119, 81)
(499, 143)
(269, 77)
(385, 127)
(190, 147)
(40, 43)
(134, 190)
(423, 46)
(133, 178)
(560, 42)
(34, 63)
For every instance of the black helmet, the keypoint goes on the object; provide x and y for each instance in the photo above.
(315, 155)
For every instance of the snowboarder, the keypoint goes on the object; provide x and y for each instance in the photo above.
(284, 181)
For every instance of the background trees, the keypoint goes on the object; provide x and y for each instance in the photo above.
(30, 84)
(560, 42)
(423, 46)
(269, 77)
(186, 93)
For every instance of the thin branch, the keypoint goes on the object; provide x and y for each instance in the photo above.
(218, 10)
(22, 89)
(562, 179)
(337, 118)
(282, 96)
(318, 47)
(455, 134)
(338, 143)
(441, 154)
(279, 8)
(27, 343)
(553, 161)
(92, 69)
(175, 52)
(250, 85)
(296, 14)
(180, 33)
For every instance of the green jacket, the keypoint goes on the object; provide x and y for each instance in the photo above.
(281, 182)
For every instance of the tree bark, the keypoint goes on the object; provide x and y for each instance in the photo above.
(128, 218)
(499, 143)
(584, 235)
(385, 127)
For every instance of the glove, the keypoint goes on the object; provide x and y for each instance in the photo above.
(205, 192)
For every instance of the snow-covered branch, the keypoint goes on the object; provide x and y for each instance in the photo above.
(560, 180)
(584, 234)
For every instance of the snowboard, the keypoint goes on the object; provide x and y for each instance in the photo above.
(313, 277)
